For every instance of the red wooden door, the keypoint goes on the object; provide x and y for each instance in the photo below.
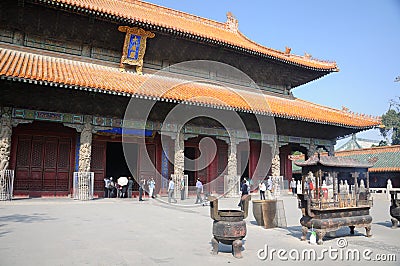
(43, 165)
(63, 165)
(23, 177)
(98, 165)
(36, 164)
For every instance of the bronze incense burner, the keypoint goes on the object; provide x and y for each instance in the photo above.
(229, 226)
(335, 193)
(395, 208)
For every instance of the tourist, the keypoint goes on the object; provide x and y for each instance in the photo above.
(269, 184)
(142, 183)
(247, 184)
(130, 187)
(293, 186)
(262, 189)
(152, 185)
(171, 188)
(199, 190)
(269, 188)
(123, 189)
(182, 187)
(244, 190)
(106, 187)
(118, 188)
(113, 191)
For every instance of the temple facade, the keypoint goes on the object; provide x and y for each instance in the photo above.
(90, 86)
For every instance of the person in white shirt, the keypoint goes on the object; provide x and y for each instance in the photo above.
(171, 188)
(199, 190)
(293, 186)
(107, 183)
(262, 189)
(151, 184)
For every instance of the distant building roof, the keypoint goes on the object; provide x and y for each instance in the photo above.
(335, 161)
(388, 158)
(357, 143)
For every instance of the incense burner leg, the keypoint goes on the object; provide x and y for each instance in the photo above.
(352, 229)
(320, 233)
(237, 248)
(214, 244)
(395, 223)
(368, 231)
(304, 231)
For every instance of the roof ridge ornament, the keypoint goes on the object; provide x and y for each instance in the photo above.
(232, 24)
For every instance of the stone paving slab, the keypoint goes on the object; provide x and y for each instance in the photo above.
(63, 231)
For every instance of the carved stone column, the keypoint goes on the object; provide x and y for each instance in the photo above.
(312, 150)
(276, 165)
(5, 149)
(179, 161)
(85, 149)
(232, 179)
(85, 156)
(331, 148)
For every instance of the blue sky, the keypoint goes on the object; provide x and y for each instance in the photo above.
(363, 37)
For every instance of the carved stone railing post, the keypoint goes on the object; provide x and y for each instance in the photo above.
(179, 161)
(5, 148)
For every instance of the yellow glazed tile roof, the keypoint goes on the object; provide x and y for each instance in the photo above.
(44, 69)
(138, 11)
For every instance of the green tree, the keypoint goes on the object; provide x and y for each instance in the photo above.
(391, 121)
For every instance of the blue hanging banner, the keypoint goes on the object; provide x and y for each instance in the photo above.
(133, 47)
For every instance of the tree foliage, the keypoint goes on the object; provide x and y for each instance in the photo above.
(391, 120)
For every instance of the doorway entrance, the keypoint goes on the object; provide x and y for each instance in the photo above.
(190, 153)
(116, 165)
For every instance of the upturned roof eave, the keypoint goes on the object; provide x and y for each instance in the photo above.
(154, 98)
(152, 25)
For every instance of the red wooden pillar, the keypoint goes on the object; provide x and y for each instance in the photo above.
(212, 170)
(158, 176)
(255, 149)
(286, 164)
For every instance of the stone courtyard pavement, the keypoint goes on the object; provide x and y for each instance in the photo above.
(62, 231)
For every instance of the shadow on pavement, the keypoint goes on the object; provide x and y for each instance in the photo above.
(384, 224)
(19, 218)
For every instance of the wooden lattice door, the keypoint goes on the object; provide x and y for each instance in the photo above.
(43, 163)
(98, 164)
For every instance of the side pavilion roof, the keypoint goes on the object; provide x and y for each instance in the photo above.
(386, 158)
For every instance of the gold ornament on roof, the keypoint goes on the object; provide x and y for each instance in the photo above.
(231, 22)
